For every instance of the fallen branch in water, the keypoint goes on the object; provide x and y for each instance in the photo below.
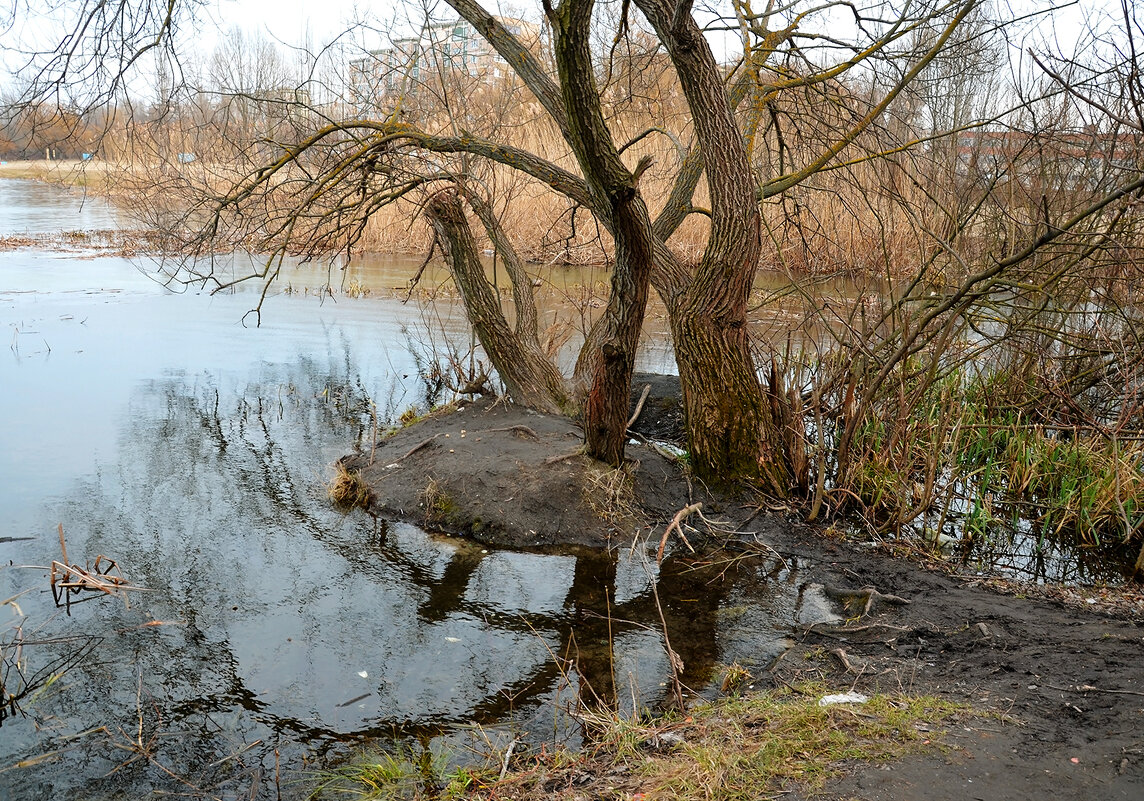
(677, 524)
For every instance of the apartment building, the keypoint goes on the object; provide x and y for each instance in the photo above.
(1056, 160)
(380, 76)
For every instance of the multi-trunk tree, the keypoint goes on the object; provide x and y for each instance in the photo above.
(808, 83)
(331, 180)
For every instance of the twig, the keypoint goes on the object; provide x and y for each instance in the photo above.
(373, 431)
(519, 429)
(237, 753)
(1088, 688)
(507, 757)
(639, 405)
(867, 595)
(840, 655)
(63, 545)
(562, 457)
(418, 447)
(416, 279)
(676, 523)
(830, 630)
(68, 580)
(673, 659)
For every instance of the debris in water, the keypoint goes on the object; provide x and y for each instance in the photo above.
(103, 576)
(361, 697)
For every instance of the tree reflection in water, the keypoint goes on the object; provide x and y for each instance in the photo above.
(291, 634)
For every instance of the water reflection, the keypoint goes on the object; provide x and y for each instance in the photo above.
(281, 629)
(276, 634)
(35, 207)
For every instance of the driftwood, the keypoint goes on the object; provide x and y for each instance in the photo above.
(517, 429)
(861, 600)
(639, 406)
(423, 443)
(677, 525)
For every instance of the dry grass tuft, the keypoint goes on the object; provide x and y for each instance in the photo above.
(439, 508)
(733, 749)
(348, 489)
(610, 493)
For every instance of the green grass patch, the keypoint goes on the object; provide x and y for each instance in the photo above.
(962, 445)
(752, 745)
(403, 775)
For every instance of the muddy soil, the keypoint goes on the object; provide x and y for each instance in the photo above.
(1058, 673)
(505, 475)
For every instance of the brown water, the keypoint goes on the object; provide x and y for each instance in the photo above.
(277, 636)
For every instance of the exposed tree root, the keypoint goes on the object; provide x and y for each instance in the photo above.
(861, 600)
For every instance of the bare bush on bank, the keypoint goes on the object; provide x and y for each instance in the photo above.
(999, 385)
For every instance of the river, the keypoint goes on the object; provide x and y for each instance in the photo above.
(276, 637)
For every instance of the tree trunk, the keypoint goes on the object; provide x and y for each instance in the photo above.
(731, 433)
(616, 196)
(529, 377)
(608, 403)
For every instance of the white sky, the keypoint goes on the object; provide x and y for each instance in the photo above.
(292, 22)
(289, 21)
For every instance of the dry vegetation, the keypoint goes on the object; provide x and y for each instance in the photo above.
(739, 747)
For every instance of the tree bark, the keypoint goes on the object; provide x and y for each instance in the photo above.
(615, 195)
(731, 432)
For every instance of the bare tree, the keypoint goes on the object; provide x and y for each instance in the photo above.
(733, 429)
(812, 94)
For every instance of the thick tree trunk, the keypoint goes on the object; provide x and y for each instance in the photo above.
(529, 377)
(731, 433)
(523, 298)
(615, 195)
(608, 403)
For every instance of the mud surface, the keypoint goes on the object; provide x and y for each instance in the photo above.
(1057, 673)
(1060, 680)
(507, 476)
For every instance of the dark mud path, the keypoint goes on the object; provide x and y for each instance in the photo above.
(1061, 680)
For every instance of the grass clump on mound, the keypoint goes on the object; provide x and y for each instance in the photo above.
(348, 489)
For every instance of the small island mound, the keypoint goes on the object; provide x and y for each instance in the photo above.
(506, 475)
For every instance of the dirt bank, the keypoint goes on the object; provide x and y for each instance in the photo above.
(508, 476)
(1058, 673)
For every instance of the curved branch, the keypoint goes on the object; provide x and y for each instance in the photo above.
(519, 57)
(785, 182)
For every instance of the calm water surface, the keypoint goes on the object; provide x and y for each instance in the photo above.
(276, 636)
